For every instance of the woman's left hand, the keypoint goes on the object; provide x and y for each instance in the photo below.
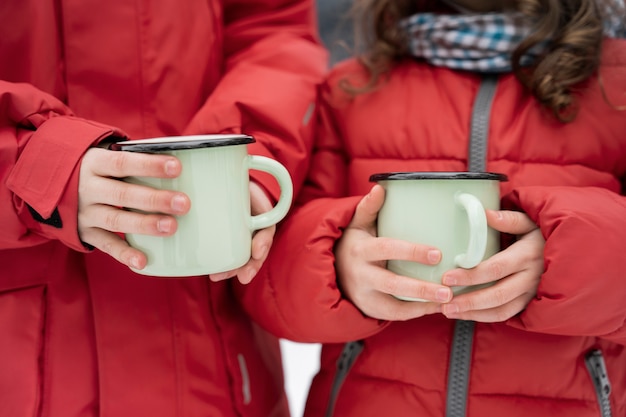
(261, 241)
(517, 270)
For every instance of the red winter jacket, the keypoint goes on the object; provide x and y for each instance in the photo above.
(80, 334)
(569, 178)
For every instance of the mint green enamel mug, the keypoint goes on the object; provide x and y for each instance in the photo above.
(216, 234)
(442, 209)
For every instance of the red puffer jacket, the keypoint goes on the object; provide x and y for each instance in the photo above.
(80, 334)
(564, 354)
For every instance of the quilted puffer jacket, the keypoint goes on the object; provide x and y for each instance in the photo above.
(564, 355)
(80, 334)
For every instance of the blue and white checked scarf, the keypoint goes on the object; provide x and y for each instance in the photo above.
(484, 42)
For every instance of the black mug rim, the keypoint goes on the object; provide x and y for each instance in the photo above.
(434, 175)
(181, 142)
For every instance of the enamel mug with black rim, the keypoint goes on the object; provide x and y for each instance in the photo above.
(442, 209)
(216, 234)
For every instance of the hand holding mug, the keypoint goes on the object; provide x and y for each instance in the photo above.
(515, 272)
(445, 210)
(102, 194)
(215, 236)
(362, 274)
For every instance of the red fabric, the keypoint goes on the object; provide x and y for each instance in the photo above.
(569, 178)
(81, 335)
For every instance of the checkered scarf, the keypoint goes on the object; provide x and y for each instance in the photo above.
(484, 42)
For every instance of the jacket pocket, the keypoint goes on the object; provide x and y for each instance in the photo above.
(597, 370)
(25, 267)
(22, 320)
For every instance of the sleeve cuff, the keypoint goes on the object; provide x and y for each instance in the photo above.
(45, 165)
(44, 180)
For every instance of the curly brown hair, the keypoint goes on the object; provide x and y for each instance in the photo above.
(573, 27)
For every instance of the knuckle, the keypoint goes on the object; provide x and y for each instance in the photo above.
(422, 292)
(500, 296)
(107, 247)
(156, 201)
(148, 224)
(467, 305)
(495, 270)
(416, 252)
(120, 194)
(112, 220)
(514, 219)
(119, 161)
(386, 247)
(390, 312)
(356, 250)
(389, 284)
(501, 314)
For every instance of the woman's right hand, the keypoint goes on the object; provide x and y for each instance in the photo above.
(361, 259)
(103, 197)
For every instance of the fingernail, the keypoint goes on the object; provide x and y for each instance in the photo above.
(434, 256)
(164, 225)
(134, 262)
(170, 168)
(443, 294)
(178, 203)
(448, 280)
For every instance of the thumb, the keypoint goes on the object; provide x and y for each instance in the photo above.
(368, 208)
(513, 222)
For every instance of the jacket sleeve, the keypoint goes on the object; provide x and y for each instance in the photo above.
(41, 143)
(295, 294)
(274, 61)
(582, 291)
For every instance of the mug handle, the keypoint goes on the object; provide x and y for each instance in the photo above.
(278, 171)
(477, 231)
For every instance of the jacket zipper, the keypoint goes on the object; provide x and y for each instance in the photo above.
(479, 130)
(459, 370)
(350, 352)
(462, 341)
(597, 371)
(463, 338)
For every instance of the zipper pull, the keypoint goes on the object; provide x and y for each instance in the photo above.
(597, 369)
(350, 352)
(348, 355)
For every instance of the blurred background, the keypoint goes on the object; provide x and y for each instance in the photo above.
(335, 28)
(301, 363)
